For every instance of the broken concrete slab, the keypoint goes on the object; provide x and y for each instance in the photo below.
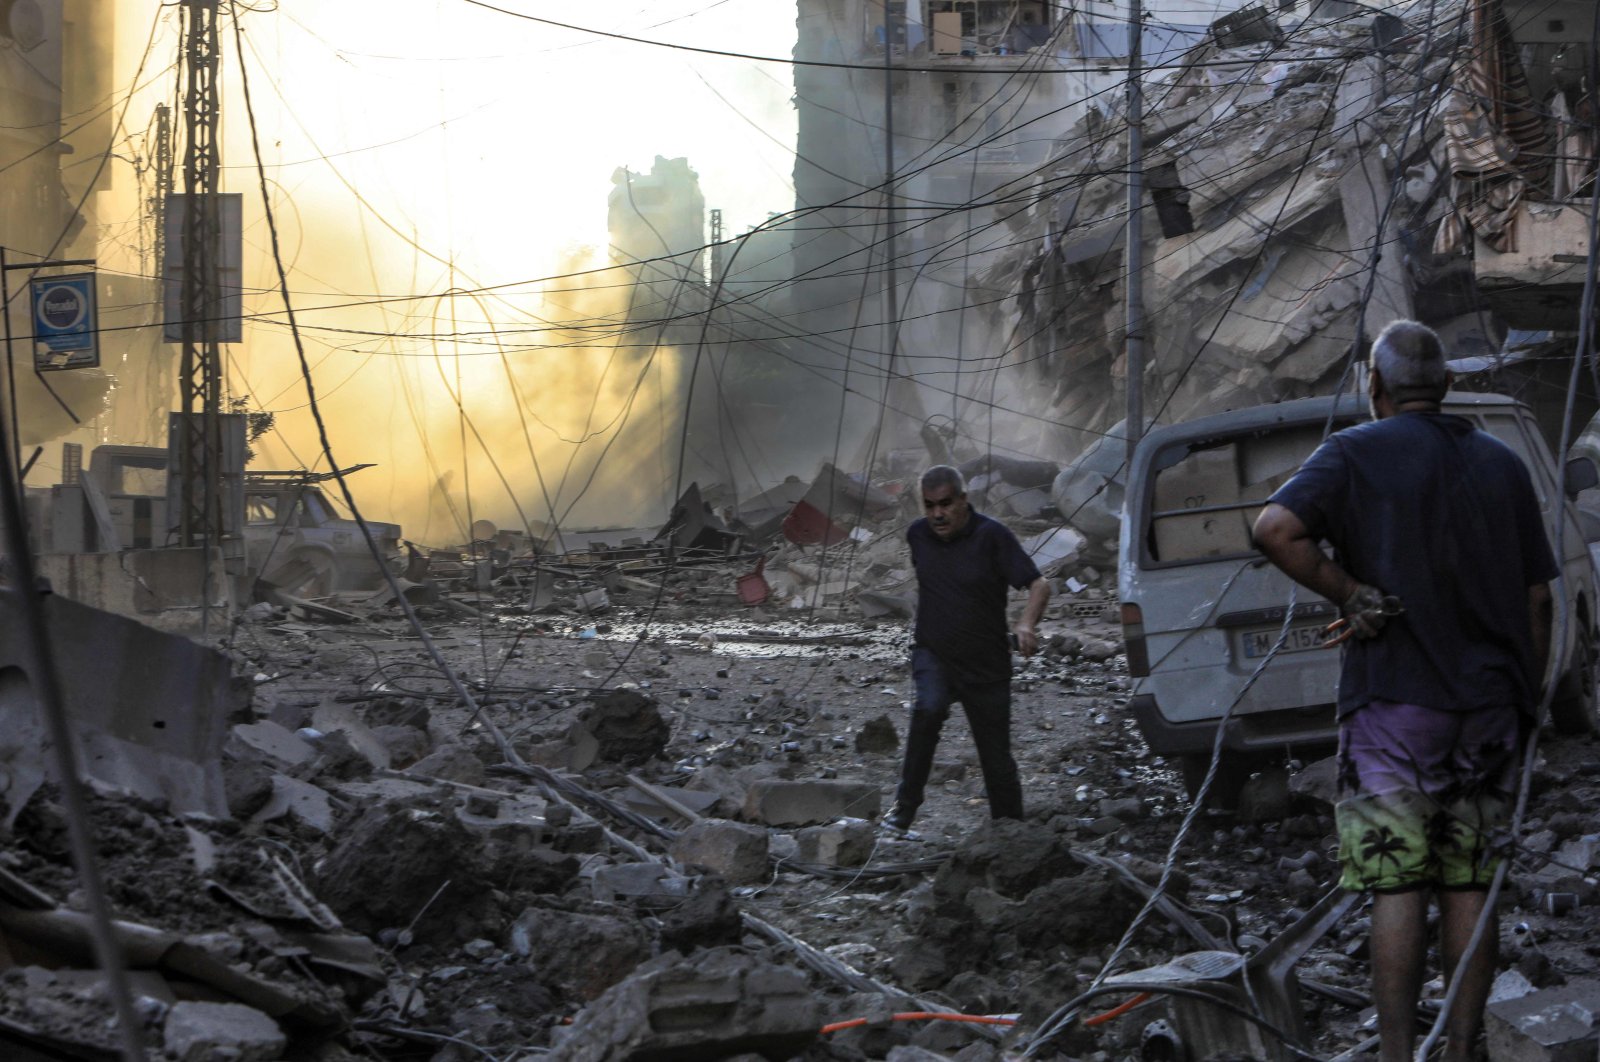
(735, 850)
(583, 954)
(878, 603)
(266, 741)
(717, 1003)
(593, 601)
(160, 737)
(301, 800)
(205, 1032)
(334, 718)
(452, 763)
(776, 802)
(839, 844)
(404, 745)
(1550, 1025)
(648, 885)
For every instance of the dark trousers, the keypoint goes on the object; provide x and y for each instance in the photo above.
(988, 708)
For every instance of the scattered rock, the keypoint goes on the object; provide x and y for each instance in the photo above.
(627, 725)
(776, 802)
(405, 744)
(877, 736)
(247, 785)
(735, 850)
(452, 763)
(399, 864)
(579, 954)
(206, 1032)
(714, 1004)
(839, 844)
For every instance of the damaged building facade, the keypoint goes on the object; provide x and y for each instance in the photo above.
(1307, 186)
(980, 98)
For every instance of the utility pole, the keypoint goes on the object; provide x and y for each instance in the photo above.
(891, 297)
(160, 197)
(200, 384)
(1133, 257)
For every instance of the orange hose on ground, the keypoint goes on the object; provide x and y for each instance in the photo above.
(921, 1015)
(1117, 1011)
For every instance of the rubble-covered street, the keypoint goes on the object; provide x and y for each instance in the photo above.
(656, 840)
(472, 475)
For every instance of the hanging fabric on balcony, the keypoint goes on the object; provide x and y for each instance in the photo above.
(1498, 147)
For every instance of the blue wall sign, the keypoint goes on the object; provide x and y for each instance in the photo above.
(66, 330)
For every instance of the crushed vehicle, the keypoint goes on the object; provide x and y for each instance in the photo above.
(293, 539)
(1201, 607)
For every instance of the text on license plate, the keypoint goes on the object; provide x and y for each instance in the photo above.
(1260, 643)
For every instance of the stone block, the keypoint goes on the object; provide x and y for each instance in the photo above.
(203, 1032)
(268, 742)
(840, 844)
(299, 800)
(1551, 1025)
(1317, 782)
(652, 885)
(1128, 809)
(719, 1002)
(736, 850)
(775, 802)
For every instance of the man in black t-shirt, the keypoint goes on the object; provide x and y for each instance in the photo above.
(1440, 568)
(965, 562)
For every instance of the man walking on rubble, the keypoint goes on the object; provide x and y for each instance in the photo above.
(1440, 568)
(965, 562)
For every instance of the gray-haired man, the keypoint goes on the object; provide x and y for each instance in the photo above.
(965, 562)
(1433, 700)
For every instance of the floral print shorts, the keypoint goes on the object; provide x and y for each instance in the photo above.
(1422, 792)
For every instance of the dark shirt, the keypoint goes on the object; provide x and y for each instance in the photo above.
(961, 595)
(1443, 516)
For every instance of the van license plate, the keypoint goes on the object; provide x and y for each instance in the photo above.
(1259, 643)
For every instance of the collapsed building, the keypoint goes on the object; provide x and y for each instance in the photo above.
(1311, 182)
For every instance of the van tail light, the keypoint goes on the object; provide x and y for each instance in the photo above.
(1133, 640)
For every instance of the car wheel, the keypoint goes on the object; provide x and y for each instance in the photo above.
(1232, 773)
(318, 574)
(1575, 709)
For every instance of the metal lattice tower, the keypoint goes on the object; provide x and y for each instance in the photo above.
(160, 196)
(200, 384)
(718, 253)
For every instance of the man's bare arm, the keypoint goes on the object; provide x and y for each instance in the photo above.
(1541, 609)
(1289, 545)
(1027, 627)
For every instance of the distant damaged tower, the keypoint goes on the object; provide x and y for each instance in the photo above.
(657, 225)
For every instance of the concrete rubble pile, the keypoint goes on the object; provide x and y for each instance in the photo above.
(1270, 164)
(832, 548)
(663, 846)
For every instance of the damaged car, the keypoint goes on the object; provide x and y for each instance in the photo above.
(1202, 609)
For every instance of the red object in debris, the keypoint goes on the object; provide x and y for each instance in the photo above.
(806, 525)
(753, 588)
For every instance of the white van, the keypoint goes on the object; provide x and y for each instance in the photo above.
(1201, 607)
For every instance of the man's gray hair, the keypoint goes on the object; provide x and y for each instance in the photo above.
(944, 476)
(1410, 359)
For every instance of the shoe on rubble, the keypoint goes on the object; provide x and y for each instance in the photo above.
(898, 819)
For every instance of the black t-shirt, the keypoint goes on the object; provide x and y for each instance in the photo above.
(1427, 508)
(961, 595)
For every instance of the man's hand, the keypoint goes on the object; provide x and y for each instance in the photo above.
(1027, 639)
(1363, 610)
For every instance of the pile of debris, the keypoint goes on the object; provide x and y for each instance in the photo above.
(1284, 168)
